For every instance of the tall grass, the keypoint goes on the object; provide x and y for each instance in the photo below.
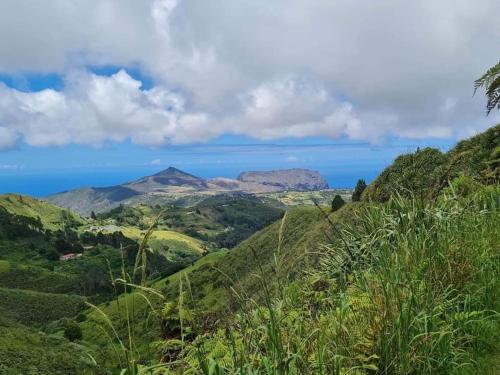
(410, 288)
(133, 283)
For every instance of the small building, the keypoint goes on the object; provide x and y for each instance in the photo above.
(69, 256)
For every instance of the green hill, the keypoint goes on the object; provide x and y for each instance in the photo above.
(295, 240)
(51, 216)
(427, 171)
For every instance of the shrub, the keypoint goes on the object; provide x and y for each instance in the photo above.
(72, 330)
(337, 202)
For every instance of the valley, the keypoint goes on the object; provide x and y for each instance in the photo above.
(152, 283)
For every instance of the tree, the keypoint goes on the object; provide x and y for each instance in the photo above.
(358, 190)
(490, 81)
(337, 202)
(93, 216)
(72, 331)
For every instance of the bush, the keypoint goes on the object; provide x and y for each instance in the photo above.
(72, 330)
(337, 202)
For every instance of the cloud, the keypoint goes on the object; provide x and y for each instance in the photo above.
(272, 69)
(8, 138)
(95, 109)
(155, 162)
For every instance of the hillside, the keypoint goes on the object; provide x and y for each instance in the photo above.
(404, 282)
(212, 278)
(51, 216)
(219, 221)
(411, 279)
(427, 171)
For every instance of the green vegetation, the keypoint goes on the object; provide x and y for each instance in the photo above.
(50, 216)
(72, 330)
(490, 81)
(426, 172)
(219, 221)
(404, 281)
(419, 296)
(337, 202)
(358, 190)
(27, 351)
(35, 308)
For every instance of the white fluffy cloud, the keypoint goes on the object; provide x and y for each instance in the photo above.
(271, 69)
(95, 109)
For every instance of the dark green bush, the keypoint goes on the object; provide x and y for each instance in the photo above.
(337, 202)
(72, 330)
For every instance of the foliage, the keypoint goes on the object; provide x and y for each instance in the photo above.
(337, 202)
(26, 351)
(358, 190)
(72, 330)
(52, 217)
(409, 174)
(490, 81)
(426, 172)
(14, 226)
(415, 291)
(223, 220)
(36, 308)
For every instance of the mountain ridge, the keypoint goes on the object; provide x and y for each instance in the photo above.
(172, 183)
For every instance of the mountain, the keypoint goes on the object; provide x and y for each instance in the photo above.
(164, 180)
(173, 185)
(287, 179)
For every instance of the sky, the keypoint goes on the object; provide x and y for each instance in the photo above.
(100, 91)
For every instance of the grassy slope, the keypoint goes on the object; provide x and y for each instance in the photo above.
(36, 308)
(166, 237)
(302, 230)
(421, 300)
(27, 351)
(32, 277)
(211, 279)
(146, 327)
(52, 217)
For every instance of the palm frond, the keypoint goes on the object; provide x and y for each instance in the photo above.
(490, 81)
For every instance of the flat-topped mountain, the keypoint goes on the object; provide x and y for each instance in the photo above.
(173, 185)
(287, 179)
